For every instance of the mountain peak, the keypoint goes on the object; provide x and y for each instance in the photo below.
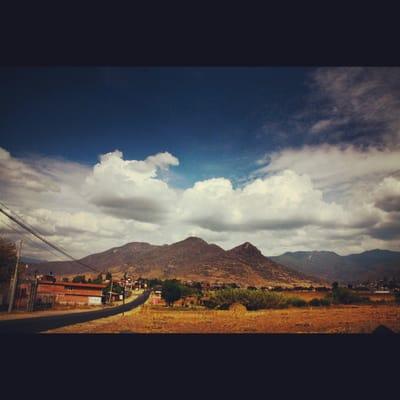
(246, 248)
(194, 239)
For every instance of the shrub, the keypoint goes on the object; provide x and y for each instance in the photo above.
(297, 302)
(346, 296)
(257, 300)
(325, 302)
(319, 302)
(251, 299)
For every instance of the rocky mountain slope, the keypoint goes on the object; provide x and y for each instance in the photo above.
(190, 259)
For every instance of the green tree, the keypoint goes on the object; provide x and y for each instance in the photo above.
(154, 282)
(186, 291)
(115, 288)
(8, 259)
(79, 279)
(171, 291)
(342, 295)
(108, 276)
(65, 279)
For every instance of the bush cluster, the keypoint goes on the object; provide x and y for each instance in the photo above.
(251, 299)
(297, 302)
(319, 302)
(342, 295)
(173, 290)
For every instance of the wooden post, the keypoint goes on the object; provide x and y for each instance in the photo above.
(14, 282)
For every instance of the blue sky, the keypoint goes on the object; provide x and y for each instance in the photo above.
(210, 118)
(285, 158)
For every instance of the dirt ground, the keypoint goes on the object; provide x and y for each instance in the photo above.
(160, 319)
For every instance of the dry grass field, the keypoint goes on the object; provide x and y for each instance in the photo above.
(160, 319)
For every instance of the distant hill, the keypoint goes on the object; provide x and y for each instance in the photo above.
(116, 257)
(30, 260)
(190, 259)
(369, 265)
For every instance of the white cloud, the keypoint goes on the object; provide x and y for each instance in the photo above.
(131, 189)
(330, 165)
(387, 194)
(17, 173)
(286, 206)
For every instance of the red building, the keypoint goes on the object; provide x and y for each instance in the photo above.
(69, 293)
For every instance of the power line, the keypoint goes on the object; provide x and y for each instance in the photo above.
(16, 215)
(28, 237)
(33, 232)
(26, 234)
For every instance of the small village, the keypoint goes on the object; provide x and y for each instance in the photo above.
(45, 292)
(38, 292)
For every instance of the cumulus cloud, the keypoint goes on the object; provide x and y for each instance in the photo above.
(67, 215)
(132, 189)
(387, 194)
(284, 201)
(362, 181)
(284, 207)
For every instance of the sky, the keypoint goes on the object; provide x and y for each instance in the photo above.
(285, 158)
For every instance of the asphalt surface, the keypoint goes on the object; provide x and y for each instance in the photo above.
(41, 324)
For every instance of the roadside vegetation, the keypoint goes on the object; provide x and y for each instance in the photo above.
(251, 299)
(342, 295)
(173, 290)
(258, 299)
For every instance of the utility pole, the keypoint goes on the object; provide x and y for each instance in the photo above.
(123, 297)
(32, 295)
(111, 290)
(14, 282)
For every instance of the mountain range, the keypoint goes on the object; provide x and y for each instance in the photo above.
(190, 259)
(195, 259)
(369, 265)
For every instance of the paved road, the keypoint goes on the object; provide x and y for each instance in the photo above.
(40, 324)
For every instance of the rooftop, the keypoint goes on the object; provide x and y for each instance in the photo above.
(75, 284)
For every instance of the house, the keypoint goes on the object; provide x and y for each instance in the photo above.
(49, 291)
